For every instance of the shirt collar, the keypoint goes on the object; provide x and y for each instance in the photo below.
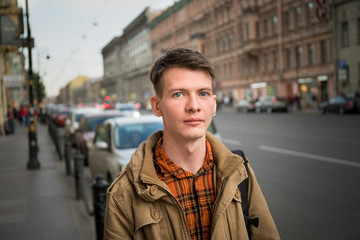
(165, 166)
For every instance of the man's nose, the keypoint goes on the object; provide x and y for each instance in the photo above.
(193, 103)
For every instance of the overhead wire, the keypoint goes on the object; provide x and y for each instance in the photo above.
(83, 36)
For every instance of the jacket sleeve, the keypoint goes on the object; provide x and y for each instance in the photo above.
(259, 208)
(116, 224)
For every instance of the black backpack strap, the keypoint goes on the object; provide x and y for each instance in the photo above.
(244, 190)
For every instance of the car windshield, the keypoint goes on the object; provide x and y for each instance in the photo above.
(131, 135)
(93, 122)
(78, 117)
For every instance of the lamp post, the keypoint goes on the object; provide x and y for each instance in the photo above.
(33, 162)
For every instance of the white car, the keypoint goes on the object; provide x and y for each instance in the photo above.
(116, 140)
(73, 120)
(128, 109)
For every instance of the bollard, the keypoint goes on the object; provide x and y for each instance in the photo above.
(67, 154)
(78, 174)
(99, 200)
(57, 142)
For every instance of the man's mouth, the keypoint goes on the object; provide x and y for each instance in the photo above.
(193, 121)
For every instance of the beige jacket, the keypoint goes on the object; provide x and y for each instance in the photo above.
(141, 206)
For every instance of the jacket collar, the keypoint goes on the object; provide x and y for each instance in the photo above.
(143, 171)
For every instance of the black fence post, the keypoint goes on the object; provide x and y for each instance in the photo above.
(78, 174)
(57, 141)
(68, 156)
(99, 199)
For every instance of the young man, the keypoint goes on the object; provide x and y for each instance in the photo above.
(182, 183)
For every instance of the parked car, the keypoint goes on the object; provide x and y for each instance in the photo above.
(73, 120)
(271, 104)
(61, 116)
(340, 104)
(245, 106)
(128, 109)
(84, 134)
(116, 140)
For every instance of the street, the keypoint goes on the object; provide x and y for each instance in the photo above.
(307, 167)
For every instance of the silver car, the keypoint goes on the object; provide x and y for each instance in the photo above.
(271, 104)
(116, 140)
(73, 120)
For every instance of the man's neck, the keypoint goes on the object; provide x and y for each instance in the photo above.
(189, 155)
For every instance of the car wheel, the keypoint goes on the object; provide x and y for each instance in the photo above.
(323, 111)
(269, 110)
(341, 111)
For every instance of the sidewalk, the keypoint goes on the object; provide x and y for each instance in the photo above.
(38, 204)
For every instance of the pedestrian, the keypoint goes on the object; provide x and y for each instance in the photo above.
(182, 182)
(23, 113)
(10, 120)
(298, 101)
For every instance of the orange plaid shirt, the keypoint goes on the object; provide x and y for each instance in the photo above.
(195, 193)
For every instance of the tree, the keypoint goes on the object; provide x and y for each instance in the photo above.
(39, 87)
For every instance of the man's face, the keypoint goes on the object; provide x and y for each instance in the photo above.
(187, 104)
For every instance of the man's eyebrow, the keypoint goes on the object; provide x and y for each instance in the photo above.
(205, 89)
(177, 89)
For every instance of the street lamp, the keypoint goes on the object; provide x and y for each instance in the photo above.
(33, 162)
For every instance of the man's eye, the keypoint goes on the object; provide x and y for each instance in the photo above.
(178, 94)
(204, 94)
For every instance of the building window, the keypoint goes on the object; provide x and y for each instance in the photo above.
(266, 30)
(241, 39)
(323, 49)
(247, 33)
(298, 18)
(298, 56)
(231, 41)
(286, 20)
(311, 53)
(288, 58)
(311, 12)
(257, 29)
(275, 23)
(345, 34)
(275, 59)
(266, 62)
(358, 31)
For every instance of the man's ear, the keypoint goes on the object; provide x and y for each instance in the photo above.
(154, 101)
(214, 110)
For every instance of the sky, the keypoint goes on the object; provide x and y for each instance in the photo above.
(73, 32)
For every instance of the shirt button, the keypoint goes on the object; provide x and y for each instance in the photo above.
(237, 193)
(153, 190)
(155, 214)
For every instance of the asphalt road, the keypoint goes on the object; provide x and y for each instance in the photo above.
(308, 167)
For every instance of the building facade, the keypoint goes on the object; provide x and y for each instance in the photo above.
(12, 73)
(137, 55)
(347, 45)
(113, 81)
(259, 48)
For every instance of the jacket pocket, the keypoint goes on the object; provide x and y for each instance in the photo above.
(145, 216)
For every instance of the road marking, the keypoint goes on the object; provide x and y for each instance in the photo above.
(309, 155)
(231, 141)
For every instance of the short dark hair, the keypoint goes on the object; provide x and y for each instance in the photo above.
(181, 58)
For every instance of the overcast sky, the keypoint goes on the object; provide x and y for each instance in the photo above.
(73, 32)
